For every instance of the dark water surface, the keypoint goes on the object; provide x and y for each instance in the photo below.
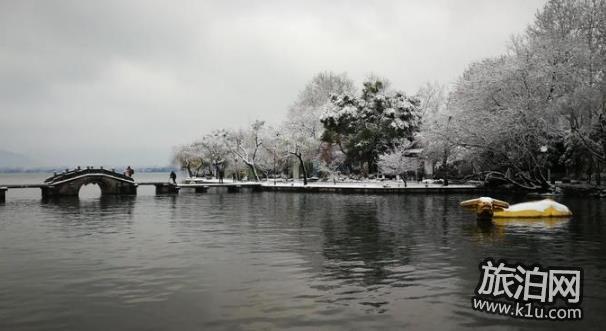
(272, 261)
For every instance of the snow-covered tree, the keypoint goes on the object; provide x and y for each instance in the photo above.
(569, 38)
(301, 143)
(217, 150)
(365, 127)
(306, 112)
(525, 112)
(190, 157)
(274, 154)
(433, 98)
(395, 162)
(332, 160)
(499, 113)
(247, 145)
(436, 132)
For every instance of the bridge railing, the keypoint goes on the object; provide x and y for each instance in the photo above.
(79, 172)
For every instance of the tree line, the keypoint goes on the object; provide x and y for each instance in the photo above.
(526, 117)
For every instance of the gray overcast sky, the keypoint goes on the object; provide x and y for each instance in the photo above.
(117, 82)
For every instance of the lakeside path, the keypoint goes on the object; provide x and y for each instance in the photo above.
(351, 187)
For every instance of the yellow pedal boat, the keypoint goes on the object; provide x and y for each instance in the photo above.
(488, 207)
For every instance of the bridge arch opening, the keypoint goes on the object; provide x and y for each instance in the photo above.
(90, 190)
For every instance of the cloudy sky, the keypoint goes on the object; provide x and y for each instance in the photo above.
(122, 82)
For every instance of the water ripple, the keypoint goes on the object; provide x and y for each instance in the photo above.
(270, 261)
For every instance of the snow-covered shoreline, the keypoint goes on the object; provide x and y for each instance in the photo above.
(368, 184)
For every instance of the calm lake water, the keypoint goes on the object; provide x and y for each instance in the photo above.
(272, 260)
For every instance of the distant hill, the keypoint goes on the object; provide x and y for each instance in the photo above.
(14, 160)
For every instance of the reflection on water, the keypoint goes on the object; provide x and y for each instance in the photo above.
(268, 260)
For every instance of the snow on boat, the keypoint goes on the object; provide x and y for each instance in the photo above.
(534, 209)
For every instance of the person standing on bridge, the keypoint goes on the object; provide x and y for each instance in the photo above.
(173, 177)
(129, 171)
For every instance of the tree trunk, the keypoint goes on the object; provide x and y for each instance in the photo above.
(445, 165)
(254, 171)
(598, 177)
(197, 171)
(370, 165)
(304, 170)
(189, 172)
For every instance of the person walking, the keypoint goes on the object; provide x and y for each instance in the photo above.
(173, 177)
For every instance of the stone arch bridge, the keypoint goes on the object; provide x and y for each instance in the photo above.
(69, 183)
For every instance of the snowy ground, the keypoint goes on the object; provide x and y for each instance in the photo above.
(339, 184)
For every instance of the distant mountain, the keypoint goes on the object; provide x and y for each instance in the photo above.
(14, 160)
